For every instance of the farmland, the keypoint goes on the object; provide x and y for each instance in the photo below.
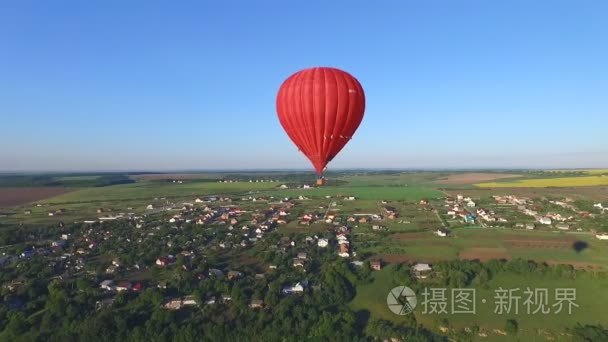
(548, 182)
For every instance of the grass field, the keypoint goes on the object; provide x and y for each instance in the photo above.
(485, 244)
(366, 192)
(150, 190)
(548, 182)
(372, 297)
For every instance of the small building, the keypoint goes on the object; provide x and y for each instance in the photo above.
(442, 232)
(123, 286)
(233, 275)
(291, 289)
(322, 243)
(298, 262)
(107, 285)
(562, 226)
(421, 271)
(529, 226)
(602, 236)
(376, 265)
(256, 304)
(302, 255)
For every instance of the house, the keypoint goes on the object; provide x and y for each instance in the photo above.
(111, 269)
(163, 261)
(123, 286)
(256, 304)
(421, 271)
(173, 304)
(107, 285)
(232, 275)
(210, 300)
(302, 255)
(471, 204)
(283, 186)
(562, 226)
(530, 226)
(375, 265)
(602, 236)
(189, 300)
(272, 267)
(298, 262)
(137, 287)
(226, 298)
(344, 251)
(150, 207)
(544, 220)
(322, 243)
(290, 289)
(442, 232)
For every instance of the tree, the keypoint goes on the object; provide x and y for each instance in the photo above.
(511, 327)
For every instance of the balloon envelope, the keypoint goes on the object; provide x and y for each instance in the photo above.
(320, 110)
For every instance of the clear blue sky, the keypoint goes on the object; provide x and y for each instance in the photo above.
(105, 85)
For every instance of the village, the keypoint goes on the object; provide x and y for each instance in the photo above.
(179, 245)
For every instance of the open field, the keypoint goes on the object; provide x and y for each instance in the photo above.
(474, 177)
(365, 192)
(372, 298)
(485, 244)
(176, 176)
(151, 190)
(548, 182)
(585, 192)
(10, 197)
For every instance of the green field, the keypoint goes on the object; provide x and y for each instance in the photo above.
(485, 244)
(548, 182)
(372, 297)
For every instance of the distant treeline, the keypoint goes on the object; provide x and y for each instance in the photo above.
(75, 181)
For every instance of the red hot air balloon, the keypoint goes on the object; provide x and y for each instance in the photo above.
(320, 110)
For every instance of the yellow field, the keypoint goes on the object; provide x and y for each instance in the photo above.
(586, 171)
(547, 182)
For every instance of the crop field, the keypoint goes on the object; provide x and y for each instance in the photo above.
(10, 197)
(473, 177)
(548, 182)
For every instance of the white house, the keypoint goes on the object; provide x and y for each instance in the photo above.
(603, 236)
(322, 243)
(107, 285)
(421, 271)
(544, 220)
(441, 232)
(150, 207)
(297, 288)
(562, 226)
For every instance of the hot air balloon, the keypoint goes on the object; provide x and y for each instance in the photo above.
(320, 110)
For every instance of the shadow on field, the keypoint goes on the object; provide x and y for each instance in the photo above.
(362, 317)
(580, 246)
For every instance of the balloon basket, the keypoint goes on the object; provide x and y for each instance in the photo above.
(321, 181)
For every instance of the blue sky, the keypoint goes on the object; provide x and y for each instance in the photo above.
(114, 85)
